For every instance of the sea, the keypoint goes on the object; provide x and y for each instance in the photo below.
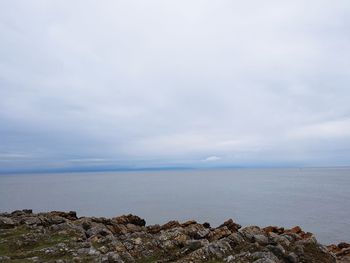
(317, 199)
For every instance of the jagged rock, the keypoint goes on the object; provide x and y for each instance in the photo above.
(263, 255)
(66, 238)
(154, 229)
(187, 223)
(71, 215)
(273, 229)
(22, 212)
(129, 219)
(261, 239)
(219, 233)
(342, 245)
(112, 257)
(250, 231)
(206, 225)
(232, 226)
(170, 224)
(278, 250)
(31, 220)
(6, 222)
(98, 230)
(264, 260)
(292, 258)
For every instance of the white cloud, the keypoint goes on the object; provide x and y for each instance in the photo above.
(328, 129)
(212, 159)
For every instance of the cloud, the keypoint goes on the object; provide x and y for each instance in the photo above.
(156, 83)
(323, 130)
(212, 159)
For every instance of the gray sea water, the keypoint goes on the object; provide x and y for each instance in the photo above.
(316, 199)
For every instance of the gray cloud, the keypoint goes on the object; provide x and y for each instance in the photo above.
(157, 83)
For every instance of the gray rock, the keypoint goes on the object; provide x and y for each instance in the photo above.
(264, 255)
(280, 239)
(6, 222)
(261, 239)
(235, 238)
(57, 220)
(98, 230)
(250, 231)
(203, 233)
(31, 220)
(264, 260)
(93, 252)
(219, 249)
(292, 258)
(114, 258)
(103, 249)
(278, 250)
(192, 245)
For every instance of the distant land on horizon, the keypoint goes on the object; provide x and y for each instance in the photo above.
(158, 168)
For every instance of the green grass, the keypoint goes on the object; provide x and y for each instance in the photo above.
(14, 232)
(9, 246)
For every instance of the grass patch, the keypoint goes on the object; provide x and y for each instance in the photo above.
(14, 232)
(13, 244)
(50, 241)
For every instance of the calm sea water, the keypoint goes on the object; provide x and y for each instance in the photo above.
(316, 199)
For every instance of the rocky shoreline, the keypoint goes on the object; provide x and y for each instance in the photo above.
(64, 237)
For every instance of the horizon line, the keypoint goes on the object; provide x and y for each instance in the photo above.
(161, 168)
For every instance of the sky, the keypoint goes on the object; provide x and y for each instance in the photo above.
(156, 84)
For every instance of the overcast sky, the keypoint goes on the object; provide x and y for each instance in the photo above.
(174, 83)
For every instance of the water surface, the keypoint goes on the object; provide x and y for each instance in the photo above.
(316, 199)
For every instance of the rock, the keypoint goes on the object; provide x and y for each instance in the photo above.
(206, 225)
(296, 230)
(261, 239)
(193, 245)
(219, 233)
(279, 239)
(129, 219)
(170, 224)
(292, 258)
(98, 230)
(264, 260)
(133, 228)
(203, 233)
(250, 231)
(114, 258)
(278, 250)
(71, 215)
(236, 239)
(57, 220)
(31, 221)
(4, 258)
(6, 222)
(343, 245)
(219, 249)
(187, 223)
(23, 212)
(154, 229)
(127, 239)
(93, 252)
(263, 255)
(273, 229)
(232, 226)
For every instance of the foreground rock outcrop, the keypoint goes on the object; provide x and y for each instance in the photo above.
(63, 237)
